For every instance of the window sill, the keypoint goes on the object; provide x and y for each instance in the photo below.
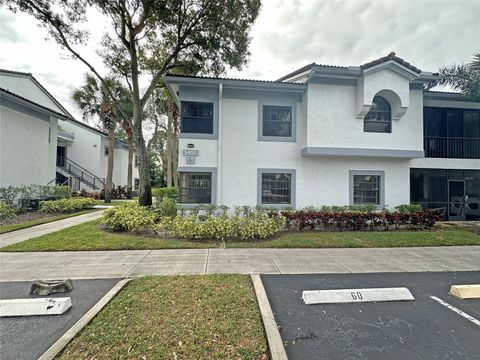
(197, 136)
(277, 138)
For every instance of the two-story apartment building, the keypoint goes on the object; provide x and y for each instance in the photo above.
(329, 135)
(41, 143)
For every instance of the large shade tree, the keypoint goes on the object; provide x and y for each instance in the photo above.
(463, 77)
(150, 37)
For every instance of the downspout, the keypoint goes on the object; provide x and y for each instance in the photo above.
(219, 145)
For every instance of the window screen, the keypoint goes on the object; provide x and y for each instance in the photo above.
(197, 117)
(366, 189)
(276, 188)
(195, 188)
(277, 121)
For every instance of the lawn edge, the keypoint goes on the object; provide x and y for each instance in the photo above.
(60, 344)
(51, 221)
(275, 343)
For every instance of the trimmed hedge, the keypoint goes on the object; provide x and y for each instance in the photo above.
(258, 225)
(67, 205)
(129, 217)
(359, 220)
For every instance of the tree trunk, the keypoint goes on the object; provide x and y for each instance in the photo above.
(169, 144)
(130, 161)
(145, 196)
(111, 153)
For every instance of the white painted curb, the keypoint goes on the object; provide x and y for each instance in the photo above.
(55, 349)
(275, 343)
(34, 306)
(339, 296)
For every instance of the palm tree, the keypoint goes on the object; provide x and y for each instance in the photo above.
(93, 99)
(463, 77)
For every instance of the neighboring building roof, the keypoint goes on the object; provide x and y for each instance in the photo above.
(55, 102)
(65, 116)
(389, 57)
(447, 95)
(35, 105)
(355, 71)
(307, 68)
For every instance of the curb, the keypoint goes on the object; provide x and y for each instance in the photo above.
(58, 346)
(275, 343)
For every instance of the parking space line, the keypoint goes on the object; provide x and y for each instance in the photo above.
(458, 311)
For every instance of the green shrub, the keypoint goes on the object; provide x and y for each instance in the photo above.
(129, 217)
(167, 207)
(6, 212)
(67, 205)
(409, 208)
(164, 192)
(256, 225)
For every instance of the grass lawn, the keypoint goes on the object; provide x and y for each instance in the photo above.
(27, 224)
(176, 317)
(443, 236)
(89, 236)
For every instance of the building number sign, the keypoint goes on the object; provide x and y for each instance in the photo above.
(190, 156)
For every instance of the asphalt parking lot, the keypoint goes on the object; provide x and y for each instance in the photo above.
(421, 329)
(25, 338)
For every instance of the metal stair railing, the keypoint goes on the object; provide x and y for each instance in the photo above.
(80, 173)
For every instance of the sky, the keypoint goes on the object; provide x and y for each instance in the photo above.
(287, 34)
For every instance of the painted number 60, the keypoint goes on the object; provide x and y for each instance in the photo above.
(356, 295)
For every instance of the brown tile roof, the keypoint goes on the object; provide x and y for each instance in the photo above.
(391, 56)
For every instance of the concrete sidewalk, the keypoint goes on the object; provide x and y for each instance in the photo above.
(39, 230)
(119, 264)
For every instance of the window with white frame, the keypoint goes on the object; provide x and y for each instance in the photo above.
(136, 184)
(195, 188)
(105, 150)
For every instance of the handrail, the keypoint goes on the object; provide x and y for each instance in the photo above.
(452, 147)
(64, 158)
(81, 173)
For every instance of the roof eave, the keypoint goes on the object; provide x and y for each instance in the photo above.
(233, 83)
(30, 104)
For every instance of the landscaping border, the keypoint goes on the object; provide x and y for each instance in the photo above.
(60, 344)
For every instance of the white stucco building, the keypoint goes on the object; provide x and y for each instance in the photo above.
(41, 143)
(329, 135)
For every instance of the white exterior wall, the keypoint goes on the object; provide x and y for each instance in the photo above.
(319, 181)
(26, 155)
(87, 150)
(332, 121)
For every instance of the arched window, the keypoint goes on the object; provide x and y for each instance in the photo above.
(379, 118)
